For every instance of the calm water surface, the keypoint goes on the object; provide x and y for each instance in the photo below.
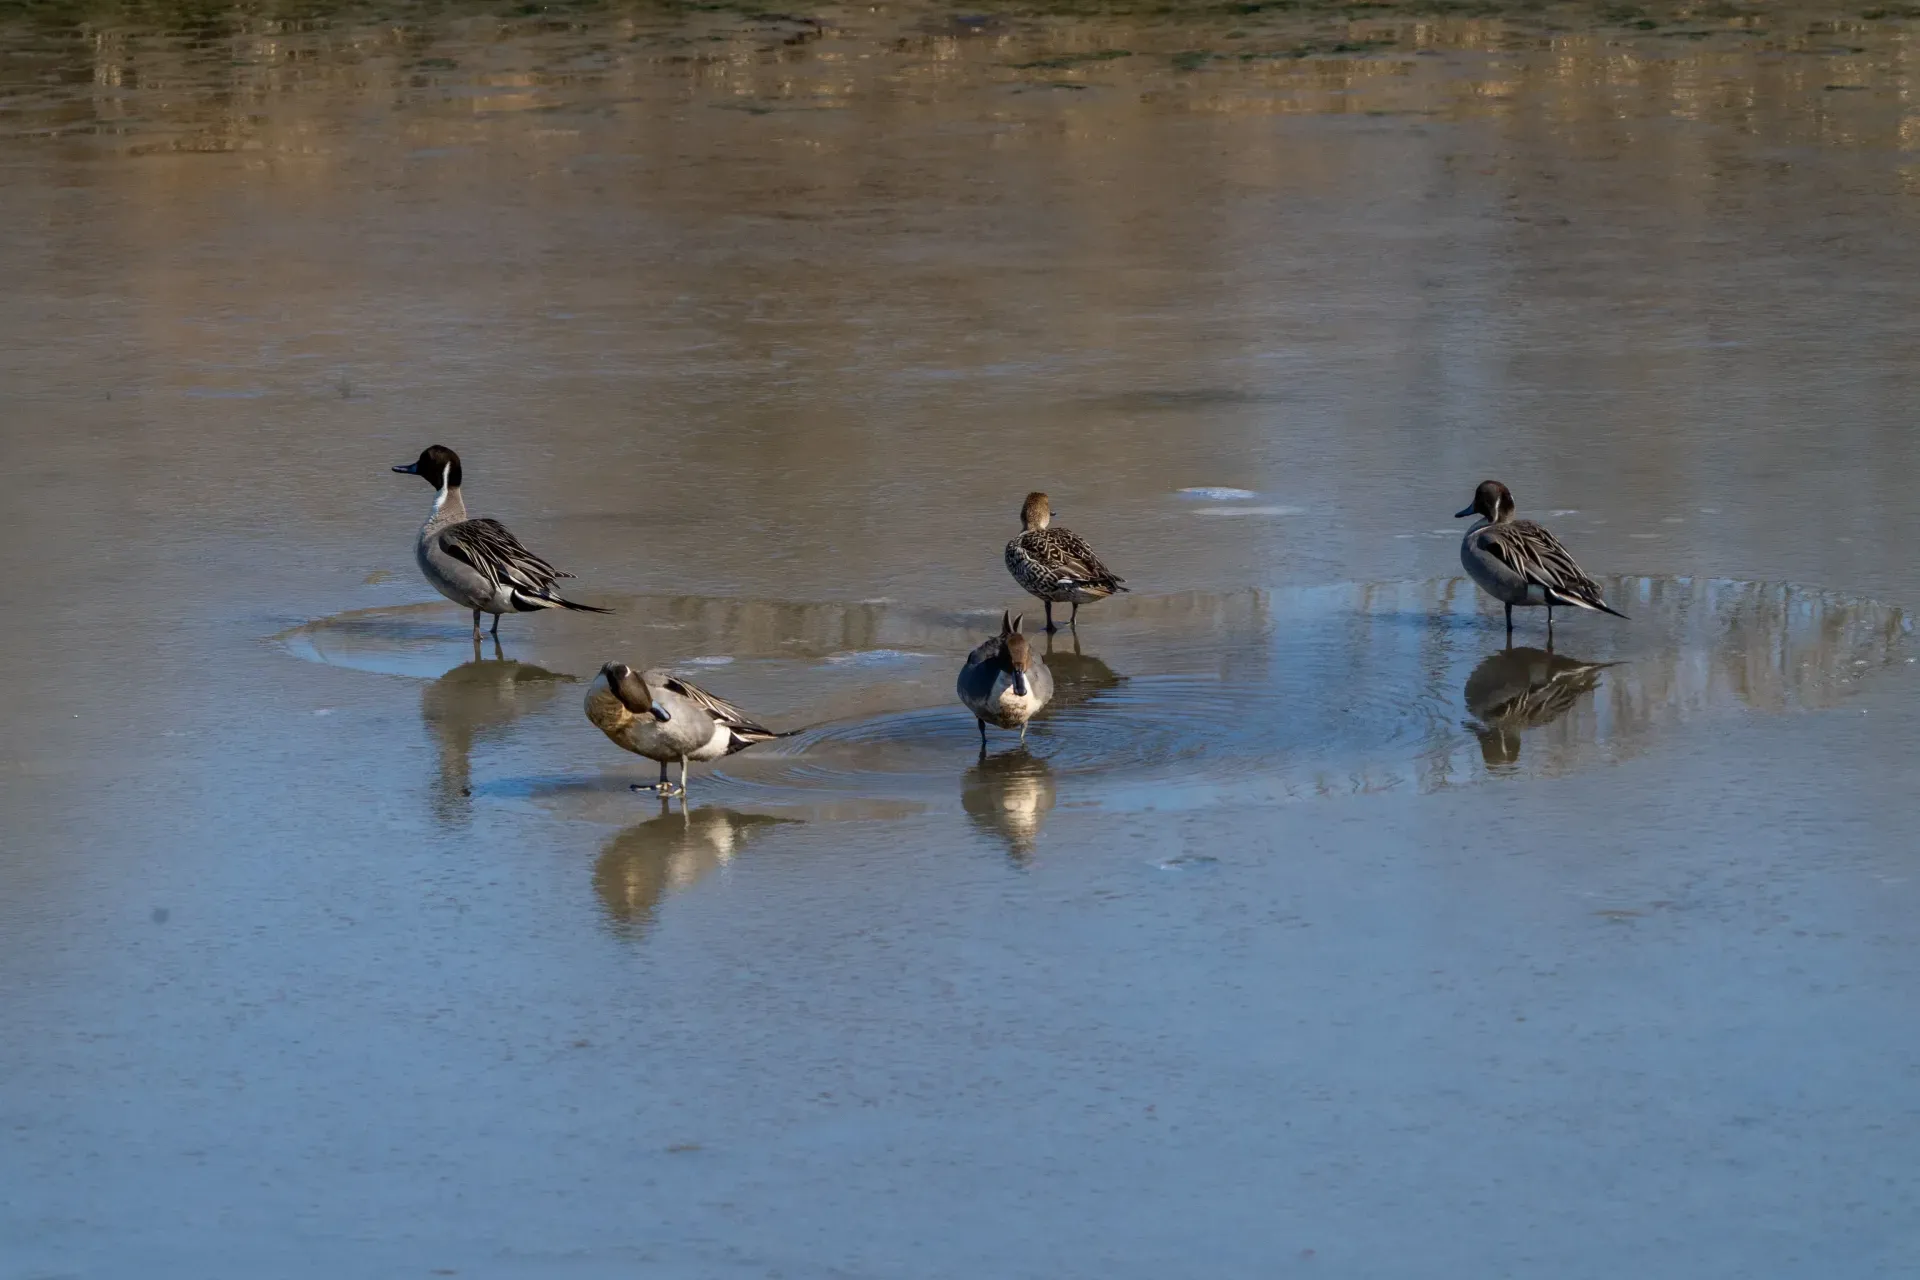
(1311, 932)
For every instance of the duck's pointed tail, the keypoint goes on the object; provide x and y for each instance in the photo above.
(1589, 601)
(744, 738)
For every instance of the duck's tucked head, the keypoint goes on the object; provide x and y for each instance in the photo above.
(627, 685)
(1016, 655)
(1491, 500)
(1035, 512)
(438, 465)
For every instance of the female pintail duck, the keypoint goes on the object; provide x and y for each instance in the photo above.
(1002, 684)
(1056, 565)
(1519, 563)
(477, 563)
(665, 717)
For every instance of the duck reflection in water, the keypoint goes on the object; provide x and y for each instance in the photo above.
(1519, 689)
(642, 864)
(476, 701)
(1008, 796)
(1077, 677)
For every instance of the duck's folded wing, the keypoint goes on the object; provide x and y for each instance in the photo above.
(487, 545)
(1067, 553)
(1536, 555)
(742, 724)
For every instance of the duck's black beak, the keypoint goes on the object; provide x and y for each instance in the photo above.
(1471, 510)
(411, 469)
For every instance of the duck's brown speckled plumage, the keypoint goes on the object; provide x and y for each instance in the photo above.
(1056, 565)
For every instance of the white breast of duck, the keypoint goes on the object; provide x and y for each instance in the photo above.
(1002, 682)
(1006, 705)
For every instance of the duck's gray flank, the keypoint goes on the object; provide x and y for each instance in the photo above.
(1056, 565)
(1518, 562)
(478, 562)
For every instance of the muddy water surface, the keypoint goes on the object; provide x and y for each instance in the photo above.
(1313, 929)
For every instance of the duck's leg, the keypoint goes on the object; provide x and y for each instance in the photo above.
(1023, 733)
(1050, 627)
(1549, 626)
(659, 787)
(1073, 619)
(496, 626)
(983, 732)
(476, 626)
(1509, 624)
(683, 777)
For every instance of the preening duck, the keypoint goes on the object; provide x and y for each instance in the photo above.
(666, 717)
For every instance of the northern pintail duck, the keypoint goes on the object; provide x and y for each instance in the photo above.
(1518, 562)
(665, 717)
(1056, 566)
(1001, 682)
(478, 563)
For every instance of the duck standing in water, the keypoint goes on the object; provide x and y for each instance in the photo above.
(478, 563)
(1056, 565)
(1001, 682)
(1518, 562)
(665, 717)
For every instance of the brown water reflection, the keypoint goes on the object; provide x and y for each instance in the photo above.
(1008, 795)
(667, 853)
(474, 702)
(1339, 690)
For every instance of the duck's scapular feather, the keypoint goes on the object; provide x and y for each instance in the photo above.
(490, 547)
(743, 729)
(1057, 565)
(1531, 551)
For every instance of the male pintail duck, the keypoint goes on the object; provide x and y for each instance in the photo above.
(1519, 563)
(478, 563)
(1002, 684)
(1056, 565)
(665, 717)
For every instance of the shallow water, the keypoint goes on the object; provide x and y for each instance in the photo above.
(1312, 930)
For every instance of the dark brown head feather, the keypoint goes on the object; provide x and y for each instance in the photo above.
(1018, 653)
(1493, 500)
(438, 465)
(625, 684)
